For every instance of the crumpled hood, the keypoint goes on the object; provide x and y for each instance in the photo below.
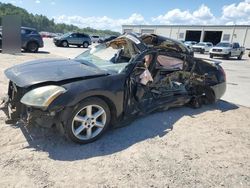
(49, 70)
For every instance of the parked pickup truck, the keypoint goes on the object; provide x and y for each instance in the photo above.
(227, 50)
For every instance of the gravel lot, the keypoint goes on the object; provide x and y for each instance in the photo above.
(181, 147)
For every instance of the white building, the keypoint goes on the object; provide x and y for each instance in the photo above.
(204, 33)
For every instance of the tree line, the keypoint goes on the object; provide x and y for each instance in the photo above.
(42, 23)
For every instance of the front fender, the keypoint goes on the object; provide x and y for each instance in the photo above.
(109, 87)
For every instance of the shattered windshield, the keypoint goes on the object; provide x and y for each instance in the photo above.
(106, 58)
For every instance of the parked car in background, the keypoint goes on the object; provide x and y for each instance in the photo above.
(31, 40)
(202, 47)
(46, 34)
(190, 44)
(111, 84)
(95, 38)
(227, 50)
(107, 39)
(77, 39)
(190, 49)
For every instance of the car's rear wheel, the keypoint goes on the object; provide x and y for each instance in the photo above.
(79, 46)
(65, 43)
(211, 55)
(203, 95)
(85, 44)
(88, 121)
(32, 47)
(202, 51)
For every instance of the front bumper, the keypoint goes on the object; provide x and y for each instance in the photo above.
(219, 54)
(219, 90)
(41, 45)
(16, 111)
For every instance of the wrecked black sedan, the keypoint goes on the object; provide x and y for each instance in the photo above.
(110, 84)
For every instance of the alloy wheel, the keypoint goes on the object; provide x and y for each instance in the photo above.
(64, 44)
(89, 122)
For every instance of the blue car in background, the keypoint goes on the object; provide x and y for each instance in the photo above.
(31, 40)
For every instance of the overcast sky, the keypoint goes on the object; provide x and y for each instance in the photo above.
(111, 14)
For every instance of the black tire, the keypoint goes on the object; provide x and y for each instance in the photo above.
(202, 51)
(64, 43)
(85, 44)
(211, 55)
(79, 46)
(240, 56)
(32, 47)
(79, 108)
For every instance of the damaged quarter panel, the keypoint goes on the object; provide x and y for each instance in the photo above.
(214, 75)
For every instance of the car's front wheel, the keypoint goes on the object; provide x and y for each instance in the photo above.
(88, 121)
(65, 43)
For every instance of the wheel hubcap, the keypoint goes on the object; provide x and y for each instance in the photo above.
(33, 46)
(89, 122)
(64, 43)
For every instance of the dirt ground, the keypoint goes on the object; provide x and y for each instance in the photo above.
(181, 147)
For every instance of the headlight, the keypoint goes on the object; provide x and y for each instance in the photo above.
(42, 97)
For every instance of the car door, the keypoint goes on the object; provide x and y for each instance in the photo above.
(150, 82)
(25, 36)
(235, 49)
(72, 39)
(80, 39)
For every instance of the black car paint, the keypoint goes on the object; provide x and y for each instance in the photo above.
(49, 70)
(108, 87)
(82, 82)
